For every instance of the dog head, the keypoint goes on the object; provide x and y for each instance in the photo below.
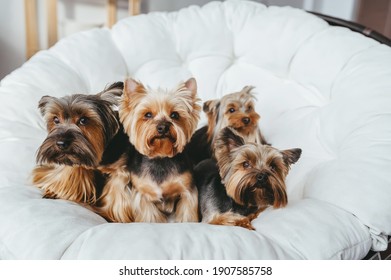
(234, 110)
(79, 127)
(253, 174)
(159, 122)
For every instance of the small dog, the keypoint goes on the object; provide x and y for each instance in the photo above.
(153, 180)
(80, 128)
(246, 178)
(234, 110)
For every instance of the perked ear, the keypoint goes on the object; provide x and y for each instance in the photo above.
(291, 156)
(43, 103)
(187, 92)
(190, 92)
(191, 85)
(131, 87)
(229, 139)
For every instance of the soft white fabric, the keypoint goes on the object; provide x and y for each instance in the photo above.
(324, 89)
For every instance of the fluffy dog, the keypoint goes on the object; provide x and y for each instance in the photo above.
(153, 180)
(244, 179)
(80, 128)
(235, 110)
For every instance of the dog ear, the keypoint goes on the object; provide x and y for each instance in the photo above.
(44, 102)
(291, 156)
(211, 106)
(131, 87)
(112, 93)
(229, 139)
(187, 93)
(191, 84)
(132, 94)
(232, 138)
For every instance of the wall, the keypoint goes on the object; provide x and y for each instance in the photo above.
(12, 37)
(376, 14)
(74, 15)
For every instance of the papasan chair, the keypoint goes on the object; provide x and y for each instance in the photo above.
(322, 88)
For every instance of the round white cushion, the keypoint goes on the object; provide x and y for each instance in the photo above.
(326, 90)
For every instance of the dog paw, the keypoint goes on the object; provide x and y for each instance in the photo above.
(245, 223)
(231, 219)
(49, 195)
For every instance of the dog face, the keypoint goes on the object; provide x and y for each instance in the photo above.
(79, 127)
(234, 110)
(159, 122)
(253, 174)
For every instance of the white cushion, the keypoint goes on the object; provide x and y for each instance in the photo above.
(323, 89)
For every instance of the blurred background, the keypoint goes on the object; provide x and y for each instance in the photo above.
(27, 26)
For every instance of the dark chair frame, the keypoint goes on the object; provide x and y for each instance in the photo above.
(355, 27)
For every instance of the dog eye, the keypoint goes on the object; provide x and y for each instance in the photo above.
(83, 121)
(246, 164)
(231, 110)
(148, 115)
(249, 108)
(174, 115)
(56, 120)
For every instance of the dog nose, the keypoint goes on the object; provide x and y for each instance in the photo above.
(63, 144)
(246, 120)
(261, 177)
(162, 128)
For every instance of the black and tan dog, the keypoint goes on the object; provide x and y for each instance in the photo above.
(244, 179)
(80, 128)
(153, 180)
(235, 110)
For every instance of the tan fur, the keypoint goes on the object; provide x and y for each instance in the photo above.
(74, 183)
(175, 194)
(253, 176)
(88, 123)
(113, 204)
(231, 219)
(259, 158)
(138, 101)
(128, 198)
(131, 197)
(219, 116)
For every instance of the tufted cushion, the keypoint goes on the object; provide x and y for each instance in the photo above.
(323, 89)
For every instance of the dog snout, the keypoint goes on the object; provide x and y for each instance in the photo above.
(163, 128)
(63, 144)
(262, 177)
(246, 120)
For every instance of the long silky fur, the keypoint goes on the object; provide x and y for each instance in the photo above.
(75, 176)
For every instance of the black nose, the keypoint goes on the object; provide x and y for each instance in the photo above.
(163, 128)
(262, 177)
(63, 144)
(246, 120)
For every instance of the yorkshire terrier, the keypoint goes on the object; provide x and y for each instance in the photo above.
(80, 128)
(242, 181)
(234, 110)
(153, 180)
